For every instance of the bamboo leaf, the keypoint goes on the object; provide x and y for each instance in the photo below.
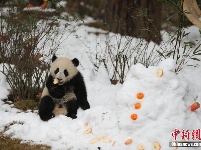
(196, 59)
(169, 53)
(185, 34)
(160, 53)
(196, 51)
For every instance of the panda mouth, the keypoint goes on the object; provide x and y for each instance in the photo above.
(60, 82)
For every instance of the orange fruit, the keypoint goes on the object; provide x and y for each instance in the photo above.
(137, 106)
(129, 141)
(194, 106)
(134, 116)
(140, 95)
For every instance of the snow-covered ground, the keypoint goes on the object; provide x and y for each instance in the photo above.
(164, 107)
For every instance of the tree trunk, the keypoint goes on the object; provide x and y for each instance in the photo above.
(139, 18)
(73, 6)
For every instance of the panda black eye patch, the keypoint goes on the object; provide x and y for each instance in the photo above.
(65, 72)
(56, 71)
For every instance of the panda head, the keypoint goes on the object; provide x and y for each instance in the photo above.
(63, 68)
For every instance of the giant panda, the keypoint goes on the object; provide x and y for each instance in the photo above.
(66, 96)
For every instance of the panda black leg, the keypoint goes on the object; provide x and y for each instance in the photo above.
(46, 107)
(72, 109)
(84, 105)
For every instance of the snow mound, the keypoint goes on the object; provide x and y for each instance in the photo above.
(3, 90)
(164, 107)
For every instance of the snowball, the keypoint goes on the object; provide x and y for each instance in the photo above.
(53, 134)
(168, 64)
(3, 91)
(174, 84)
(137, 71)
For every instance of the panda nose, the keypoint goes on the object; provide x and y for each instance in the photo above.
(59, 79)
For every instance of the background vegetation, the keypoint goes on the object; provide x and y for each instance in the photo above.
(23, 53)
(141, 19)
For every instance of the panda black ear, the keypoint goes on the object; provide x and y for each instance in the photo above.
(54, 57)
(75, 62)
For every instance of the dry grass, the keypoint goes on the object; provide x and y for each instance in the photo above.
(26, 105)
(40, 14)
(97, 24)
(7, 143)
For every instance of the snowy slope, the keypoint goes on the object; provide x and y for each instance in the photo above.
(164, 108)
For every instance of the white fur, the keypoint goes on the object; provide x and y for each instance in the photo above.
(59, 111)
(63, 63)
(69, 96)
(45, 92)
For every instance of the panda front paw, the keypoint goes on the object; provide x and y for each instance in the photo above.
(73, 116)
(49, 82)
(46, 107)
(85, 105)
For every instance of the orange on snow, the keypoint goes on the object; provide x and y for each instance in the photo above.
(134, 116)
(194, 106)
(137, 106)
(140, 95)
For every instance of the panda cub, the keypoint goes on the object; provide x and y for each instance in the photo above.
(68, 94)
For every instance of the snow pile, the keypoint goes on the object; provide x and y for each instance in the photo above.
(39, 9)
(5, 11)
(61, 4)
(3, 90)
(165, 105)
